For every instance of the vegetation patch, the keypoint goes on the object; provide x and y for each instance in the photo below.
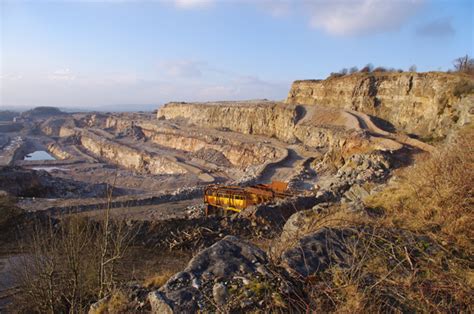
(463, 88)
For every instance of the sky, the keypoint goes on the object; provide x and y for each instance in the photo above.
(140, 54)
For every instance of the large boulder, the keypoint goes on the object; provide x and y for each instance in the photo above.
(318, 251)
(208, 274)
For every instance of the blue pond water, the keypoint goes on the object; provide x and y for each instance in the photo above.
(39, 155)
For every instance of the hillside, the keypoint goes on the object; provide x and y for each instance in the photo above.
(425, 104)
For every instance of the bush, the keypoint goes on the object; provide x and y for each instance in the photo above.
(335, 75)
(353, 70)
(380, 69)
(70, 263)
(367, 69)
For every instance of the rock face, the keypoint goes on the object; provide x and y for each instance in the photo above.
(206, 274)
(129, 157)
(238, 152)
(426, 104)
(313, 126)
(232, 276)
(254, 117)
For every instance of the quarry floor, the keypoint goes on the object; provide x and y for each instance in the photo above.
(89, 170)
(141, 158)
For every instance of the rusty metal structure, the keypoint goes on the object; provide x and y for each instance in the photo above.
(219, 198)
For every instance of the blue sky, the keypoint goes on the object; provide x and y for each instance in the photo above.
(100, 53)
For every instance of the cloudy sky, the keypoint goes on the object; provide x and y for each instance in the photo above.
(122, 52)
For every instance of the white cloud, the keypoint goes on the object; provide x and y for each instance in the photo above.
(62, 75)
(361, 16)
(347, 17)
(190, 4)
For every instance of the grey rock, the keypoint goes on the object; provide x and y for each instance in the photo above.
(222, 261)
(158, 303)
(356, 193)
(220, 294)
(316, 252)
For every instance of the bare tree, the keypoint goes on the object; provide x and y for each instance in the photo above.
(353, 70)
(464, 64)
(114, 241)
(71, 261)
(412, 68)
(57, 272)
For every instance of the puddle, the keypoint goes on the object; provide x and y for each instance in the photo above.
(39, 155)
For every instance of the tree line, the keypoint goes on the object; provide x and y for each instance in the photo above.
(463, 64)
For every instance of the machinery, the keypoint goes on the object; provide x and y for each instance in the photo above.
(220, 199)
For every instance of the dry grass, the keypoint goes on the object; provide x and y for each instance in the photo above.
(117, 303)
(392, 271)
(414, 248)
(158, 280)
(436, 195)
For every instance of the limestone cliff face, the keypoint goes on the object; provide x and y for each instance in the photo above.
(425, 104)
(313, 126)
(256, 117)
(58, 152)
(129, 157)
(239, 154)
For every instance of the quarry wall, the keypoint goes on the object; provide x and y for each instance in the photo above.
(289, 123)
(425, 104)
(129, 157)
(260, 118)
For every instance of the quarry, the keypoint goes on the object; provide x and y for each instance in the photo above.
(334, 142)
(318, 130)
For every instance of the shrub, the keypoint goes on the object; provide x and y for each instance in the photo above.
(380, 69)
(335, 75)
(70, 263)
(367, 69)
(353, 70)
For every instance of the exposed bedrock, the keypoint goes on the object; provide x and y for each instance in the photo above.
(210, 150)
(129, 157)
(267, 118)
(426, 104)
(238, 152)
(315, 126)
